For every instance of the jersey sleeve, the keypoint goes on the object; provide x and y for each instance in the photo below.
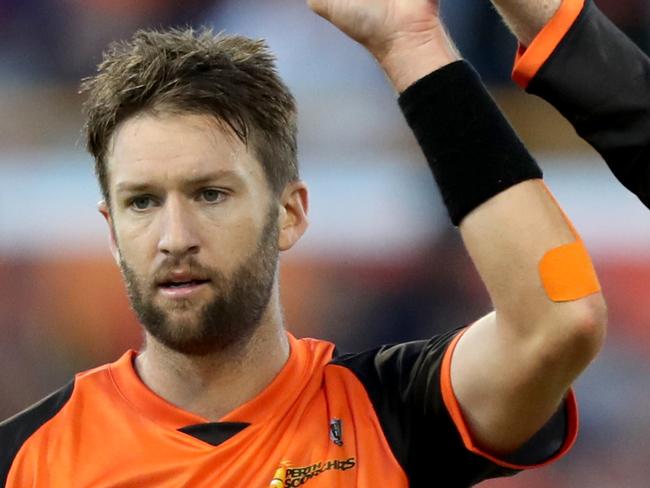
(410, 389)
(599, 80)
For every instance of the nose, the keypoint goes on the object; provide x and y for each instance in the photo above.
(178, 236)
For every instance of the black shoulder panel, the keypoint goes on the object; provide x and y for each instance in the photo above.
(403, 383)
(599, 80)
(17, 429)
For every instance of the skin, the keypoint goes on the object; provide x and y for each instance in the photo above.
(405, 36)
(512, 369)
(527, 17)
(186, 191)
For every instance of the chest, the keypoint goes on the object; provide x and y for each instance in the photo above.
(331, 438)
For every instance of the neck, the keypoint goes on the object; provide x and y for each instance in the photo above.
(212, 386)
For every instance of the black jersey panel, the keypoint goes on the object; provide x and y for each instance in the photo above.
(15, 431)
(403, 383)
(600, 81)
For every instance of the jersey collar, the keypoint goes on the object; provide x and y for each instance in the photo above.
(305, 356)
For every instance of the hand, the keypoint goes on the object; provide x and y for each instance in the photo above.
(405, 36)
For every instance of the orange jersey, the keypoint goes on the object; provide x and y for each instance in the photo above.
(385, 417)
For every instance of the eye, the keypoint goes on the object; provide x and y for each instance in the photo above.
(212, 195)
(142, 202)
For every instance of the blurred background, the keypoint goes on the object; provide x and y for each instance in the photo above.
(380, 263)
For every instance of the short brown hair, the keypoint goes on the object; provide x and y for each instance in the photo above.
(232, 78)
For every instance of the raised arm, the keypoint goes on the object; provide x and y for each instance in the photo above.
(511, 370)
(576, 59)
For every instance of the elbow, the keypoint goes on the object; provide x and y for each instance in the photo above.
(569, 338)
(585, 326)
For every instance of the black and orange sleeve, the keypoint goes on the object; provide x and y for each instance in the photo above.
(15, 431)
(599, 80)
(410, 389)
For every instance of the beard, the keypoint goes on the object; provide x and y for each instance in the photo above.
(231, 317)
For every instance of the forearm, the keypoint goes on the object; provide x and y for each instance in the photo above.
(526, 18)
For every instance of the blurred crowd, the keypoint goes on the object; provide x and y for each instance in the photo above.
(61, 311)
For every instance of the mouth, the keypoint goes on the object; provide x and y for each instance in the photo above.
(181, 289)
(182, 284)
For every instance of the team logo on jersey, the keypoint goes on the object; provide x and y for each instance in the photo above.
(287, 476)
(280, 476)
(336, 432)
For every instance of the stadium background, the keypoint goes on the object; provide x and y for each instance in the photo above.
(380, 262)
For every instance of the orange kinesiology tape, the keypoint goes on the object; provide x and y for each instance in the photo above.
(567, 273)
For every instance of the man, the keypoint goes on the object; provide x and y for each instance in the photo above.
(572, 56)
(194, 142)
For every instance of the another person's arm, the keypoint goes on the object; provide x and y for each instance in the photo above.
(572, 56)
(511, 370)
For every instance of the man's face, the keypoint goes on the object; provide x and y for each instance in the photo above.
(196, 230)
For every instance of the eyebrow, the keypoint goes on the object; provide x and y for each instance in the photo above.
(129, 186)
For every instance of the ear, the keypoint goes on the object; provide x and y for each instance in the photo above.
(112, 243)
(293, 221)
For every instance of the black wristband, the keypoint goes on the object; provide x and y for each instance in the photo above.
(471, 148)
